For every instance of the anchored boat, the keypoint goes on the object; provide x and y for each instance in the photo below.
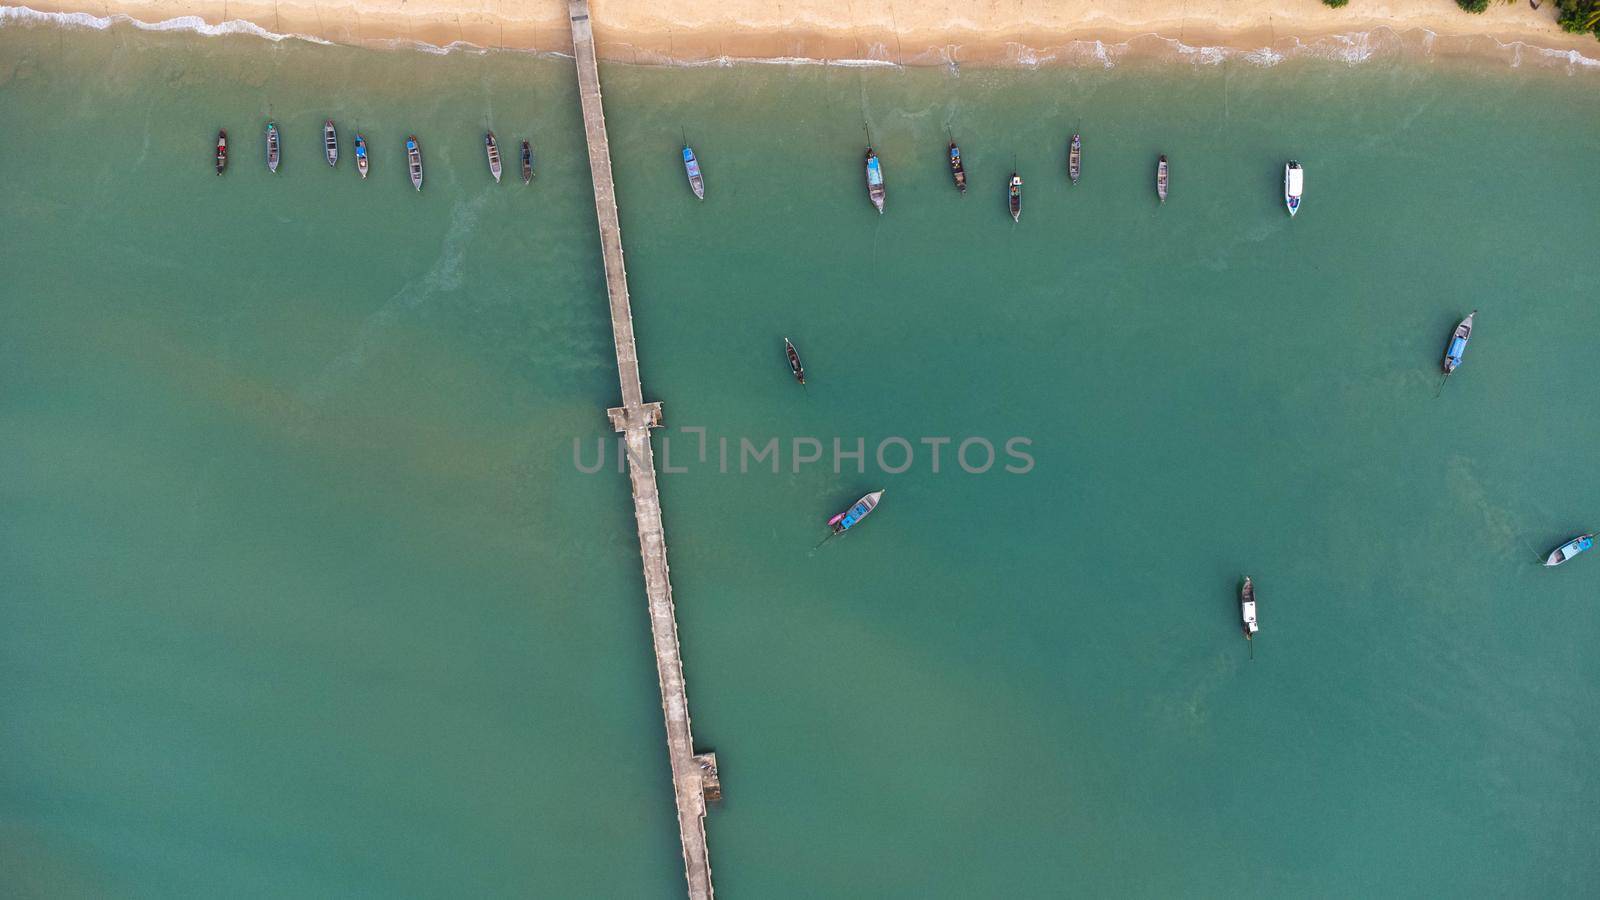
(1247, 609)
(1161, 178)
(846, 520)
(222, 150)
(957, 170)
(875, 191)
(330, 142)
(1075, 159)
(691, 168)
(414, 161)
(492, 148)
(361, 155)
(527, 163)
(1293, 184)
(1570, 549)
(1458, 344)
(794, 362)
(273, 147)
(1015, 197)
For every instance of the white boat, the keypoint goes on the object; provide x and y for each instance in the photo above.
(1570, 549)
(1294, 182)
(1247, 609)
(492, 148)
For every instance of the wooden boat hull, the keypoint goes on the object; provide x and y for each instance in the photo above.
(1162, 179)
(222, 151)
(330, 143)
(1075, 159)
(798, 370)
(1571, 548)
(1014, 197)
(1293, 186)
(875, 188)
(958, 170)
(1457, 348)
(274, 149)
(491, 148)
(691, 168)
(414, 161)
(859, 510)
(361, 156)
(527, 163)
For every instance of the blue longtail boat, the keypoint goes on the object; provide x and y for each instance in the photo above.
(691, 167)
(845, 520)
(1458, 344)
(875, 191)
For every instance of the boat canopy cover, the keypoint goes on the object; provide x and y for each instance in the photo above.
(856, 514)
(1571, 548)
(1458, 346)
(1296, 181)
(874, 173)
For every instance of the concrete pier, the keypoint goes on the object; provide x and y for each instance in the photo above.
(694, 776)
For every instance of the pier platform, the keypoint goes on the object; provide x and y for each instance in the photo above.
(694, 776)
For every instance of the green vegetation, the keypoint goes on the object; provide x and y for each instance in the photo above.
(1335, 3)
(1580, 16)
(1473, 6)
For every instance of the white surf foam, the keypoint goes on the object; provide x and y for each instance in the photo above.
(29, 16)
(1351, 48)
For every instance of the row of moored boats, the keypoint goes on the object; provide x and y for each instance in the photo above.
(877, 189)
(330, 152)
(1293, 178)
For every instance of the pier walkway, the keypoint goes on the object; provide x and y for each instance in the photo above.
(694, 777)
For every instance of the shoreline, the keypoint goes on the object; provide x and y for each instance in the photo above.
(1027, 35)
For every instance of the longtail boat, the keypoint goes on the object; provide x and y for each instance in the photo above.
(794, 361)
(1247, 609)
(1458, 344)
(330, 142)
(273, 148)
(846, 520)
(875, 191)
(1570, 549)
(361, 155)
(1014, 197)
(957, 170)
(492, 148)
(691, 167)
(1161, 178)
(222, 150)
(527, 163)
(1294, 184)
(414, 161)
(1075, 159)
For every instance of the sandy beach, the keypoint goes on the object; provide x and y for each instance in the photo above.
(928, 32)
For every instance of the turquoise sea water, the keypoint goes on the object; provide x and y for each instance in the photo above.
(301, 591)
